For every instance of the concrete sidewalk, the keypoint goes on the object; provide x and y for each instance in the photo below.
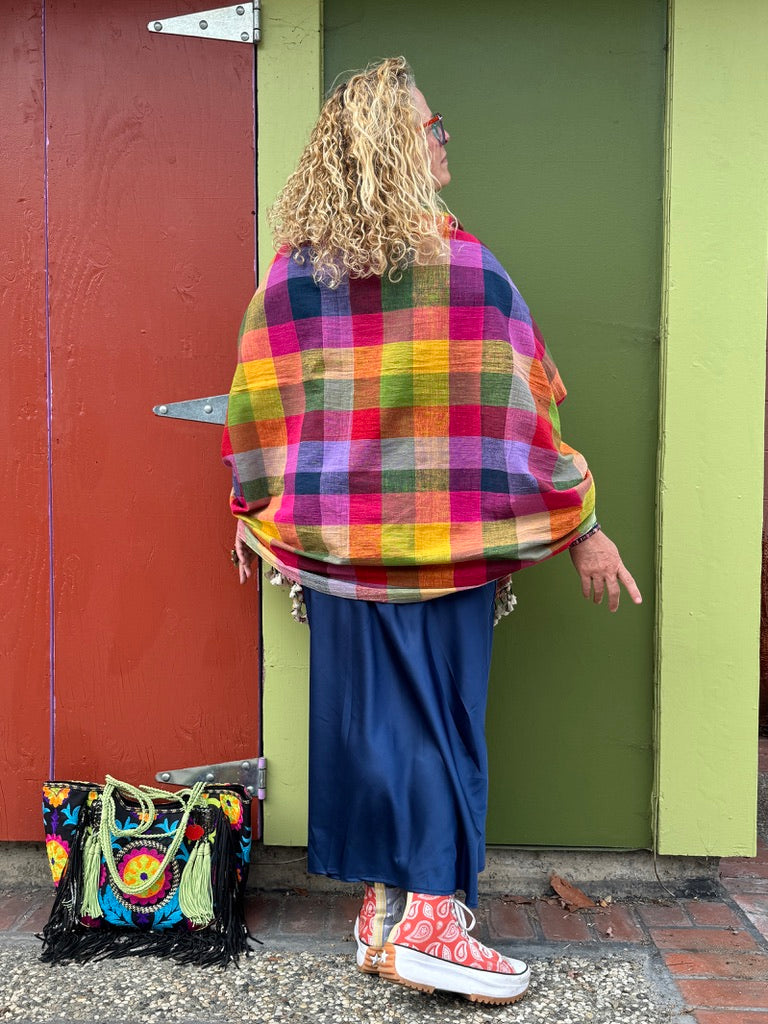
(634, 961)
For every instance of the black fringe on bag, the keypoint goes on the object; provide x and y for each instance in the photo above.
(66, 939)
(205, 947)
(228, 891)
(60, 934)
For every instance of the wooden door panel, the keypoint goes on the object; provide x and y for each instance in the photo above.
(151, 182)
(567, 121)
(24, 562)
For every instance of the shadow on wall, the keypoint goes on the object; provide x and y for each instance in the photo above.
(764, 641)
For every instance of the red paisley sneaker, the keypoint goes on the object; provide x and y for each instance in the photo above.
(383, 905)
(430, 947)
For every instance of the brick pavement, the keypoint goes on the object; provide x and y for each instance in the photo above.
(716, 950)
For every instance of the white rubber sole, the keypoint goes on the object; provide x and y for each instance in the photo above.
(367, 956)
(420, 970)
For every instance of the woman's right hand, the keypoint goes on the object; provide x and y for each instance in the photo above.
(245, 554)
(598, 563)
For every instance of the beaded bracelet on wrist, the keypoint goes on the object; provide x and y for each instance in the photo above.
(585, 536)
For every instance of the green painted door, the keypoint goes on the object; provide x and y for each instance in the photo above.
(555, 110)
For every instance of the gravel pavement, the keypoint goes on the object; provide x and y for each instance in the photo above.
(310, 983)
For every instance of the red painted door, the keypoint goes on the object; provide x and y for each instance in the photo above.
(128, 259)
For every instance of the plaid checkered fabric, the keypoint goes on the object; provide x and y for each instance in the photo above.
(398, 441)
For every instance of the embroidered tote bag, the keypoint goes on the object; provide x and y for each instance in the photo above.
(140, 870)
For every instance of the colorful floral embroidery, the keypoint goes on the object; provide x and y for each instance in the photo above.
(58, 855)
(232, 808)
(140, 865)
(55, 795)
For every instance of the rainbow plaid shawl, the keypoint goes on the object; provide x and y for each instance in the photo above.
(400, 441)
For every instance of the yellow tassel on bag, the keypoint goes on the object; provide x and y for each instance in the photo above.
(90, 906)
(195, 890)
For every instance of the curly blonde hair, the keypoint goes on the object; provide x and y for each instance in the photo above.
(362, 198)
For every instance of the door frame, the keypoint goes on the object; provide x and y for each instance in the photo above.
(710, 497)
(289, 90)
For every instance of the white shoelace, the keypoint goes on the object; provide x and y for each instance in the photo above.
(467, 921)
(464, 915)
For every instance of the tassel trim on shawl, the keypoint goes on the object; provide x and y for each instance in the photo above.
(296, 593)
(504, 603)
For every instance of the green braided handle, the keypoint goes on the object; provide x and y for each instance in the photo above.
(188, 798)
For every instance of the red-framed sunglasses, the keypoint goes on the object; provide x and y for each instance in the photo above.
(435, 123)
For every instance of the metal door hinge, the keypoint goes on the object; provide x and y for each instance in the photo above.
(205, 410)
(250, 773)
(239, 23)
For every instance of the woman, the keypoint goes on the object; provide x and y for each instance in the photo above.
(395, 446)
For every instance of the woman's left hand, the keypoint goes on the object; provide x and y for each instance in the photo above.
(245, 554)
(598, 563)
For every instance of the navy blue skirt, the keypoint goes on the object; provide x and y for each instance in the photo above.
(398, 768)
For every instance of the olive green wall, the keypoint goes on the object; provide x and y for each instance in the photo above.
(556, 115)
